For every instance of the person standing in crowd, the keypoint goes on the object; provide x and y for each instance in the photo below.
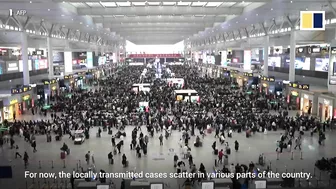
(87, 158)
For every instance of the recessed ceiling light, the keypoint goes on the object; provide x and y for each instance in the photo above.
(63, 1)
(80, 22)
(30, 2)
(243, 1)
(72, 19)
(271, 8)
(48, 9)
(306, 9)
(237, 22)
(87, 25)
(62, 15)
(291, 1)
(256, 14)
(245, 18)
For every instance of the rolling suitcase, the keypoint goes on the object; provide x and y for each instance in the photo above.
(139, 155)
(62, 155)
(228, 151)
(216, 152)
(57, 138)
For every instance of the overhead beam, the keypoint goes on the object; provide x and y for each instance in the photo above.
(157, 29)
(167, 33)
(149, 24)
(152, 10)
(97, 1)
(165, 19)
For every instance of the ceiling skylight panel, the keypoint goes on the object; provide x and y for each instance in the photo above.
(109, 4)
(198, 4)
(92, 4)
(139, 3)
(181, 3)
(213, 4)
(242, 4)
(228, 4)
(124, 4)
(168, 3)
(80, 5)
(153, 3)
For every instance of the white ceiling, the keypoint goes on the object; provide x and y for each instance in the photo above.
(165, 22)
(158, 22)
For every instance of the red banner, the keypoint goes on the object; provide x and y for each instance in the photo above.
(155, 55)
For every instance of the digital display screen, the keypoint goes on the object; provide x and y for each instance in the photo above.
(301, 63)
(102, 60)
(274, 62)
(322, 64)
(41, 64)
(30, 65)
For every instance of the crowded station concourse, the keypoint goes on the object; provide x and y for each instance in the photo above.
(159, 95)
(224, 130)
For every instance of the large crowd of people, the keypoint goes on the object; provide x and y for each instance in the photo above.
(224, 108)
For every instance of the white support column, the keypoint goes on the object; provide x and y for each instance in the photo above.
(292, 55)
(50, 58)
(266, 47)
(331, 88)
(24, 51)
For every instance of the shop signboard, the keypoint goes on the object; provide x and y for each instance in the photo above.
(12, 66)
(248, 74)
(68, 77)
(271, 79)
(294, 85)
(22, 89)
(13, 101)
(26, 97)
(304, 86)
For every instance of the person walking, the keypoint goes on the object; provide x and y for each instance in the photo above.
(34, 146)
(297, 143)
(110, 158)
(17, 152)
(161, 140)
(25, 159)
(220, 156)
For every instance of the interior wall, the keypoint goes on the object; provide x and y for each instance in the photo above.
(132, 48)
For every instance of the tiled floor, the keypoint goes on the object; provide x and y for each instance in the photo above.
(48, 154)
